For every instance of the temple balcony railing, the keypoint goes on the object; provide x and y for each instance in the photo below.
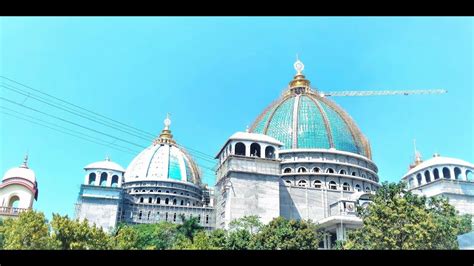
(11, 211)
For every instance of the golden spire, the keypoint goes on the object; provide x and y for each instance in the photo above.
(418, 159)
(299, 80)
(165, 136)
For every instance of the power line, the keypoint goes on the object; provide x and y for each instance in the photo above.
(195, 153)
(69, 103)
(71, 130)
(73, 123)
(144, 133)
(64, 132)
(29, 95)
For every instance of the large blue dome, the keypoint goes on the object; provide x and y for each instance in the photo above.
(302, 119)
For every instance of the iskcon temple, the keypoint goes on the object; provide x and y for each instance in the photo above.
(303, 157)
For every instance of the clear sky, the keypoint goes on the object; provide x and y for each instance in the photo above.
(215, 76)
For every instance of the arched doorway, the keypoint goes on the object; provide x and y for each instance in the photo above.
(14, 202)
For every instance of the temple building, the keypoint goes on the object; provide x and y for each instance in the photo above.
(303, 158)
(162, 183)
(18, 190)
(445, 177)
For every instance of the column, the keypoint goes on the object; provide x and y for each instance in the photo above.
(451, 171)
(109, 179)
(97, 178)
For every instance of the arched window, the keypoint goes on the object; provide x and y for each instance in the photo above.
(149, 213)
(174, 217)
(92, 179)
(316, 170)
(354, 174)
(207, 219)
(301, 170)
(115, 181)
(166, 216)
(427, 176)
(174, 202)
(345, 187)
(367, 189)
(255, 150)
(199, 218)
(418, 178)
(140, 215)
(182, 202)
(240, 149)
(469, 175)
(287, 170)
(288, 182)
(357, 187)
(436, 174)
(330, 170)
(158, 200)
(342, 172)
(457, 173)
(446, 173)
(150, 200)
(270, 152)
(318, 184)
(103, 179)
(302, 183)
(332, 185)
(14, 202)
(167, 201)
(141, 200)
(364, 176)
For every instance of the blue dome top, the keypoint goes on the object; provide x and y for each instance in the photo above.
(163, 160)
(303, 119)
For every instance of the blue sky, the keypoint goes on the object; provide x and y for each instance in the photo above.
(215, 76)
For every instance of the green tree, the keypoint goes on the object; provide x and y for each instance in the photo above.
(125, 237)
(75, 234)
(2, 234)
(281, 233)
(399, 219)
(29, 231)
(239, 239)
(250, 223)
(189, 227)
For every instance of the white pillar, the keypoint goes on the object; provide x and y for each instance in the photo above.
(86, 178)
(247, 149)
(109, 179)
(97, 178)
(451, 171)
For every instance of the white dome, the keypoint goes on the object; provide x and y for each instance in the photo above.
(106, 165)
(161, 162)
(439, 160)
(20, 172)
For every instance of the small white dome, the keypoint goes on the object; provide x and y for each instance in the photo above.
(106, 165)
(20, 172)
(439, 161)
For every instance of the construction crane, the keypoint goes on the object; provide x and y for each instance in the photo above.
(378, 93)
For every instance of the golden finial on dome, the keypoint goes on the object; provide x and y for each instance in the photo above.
(418, 159)
(165, 136)
(299, 84)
